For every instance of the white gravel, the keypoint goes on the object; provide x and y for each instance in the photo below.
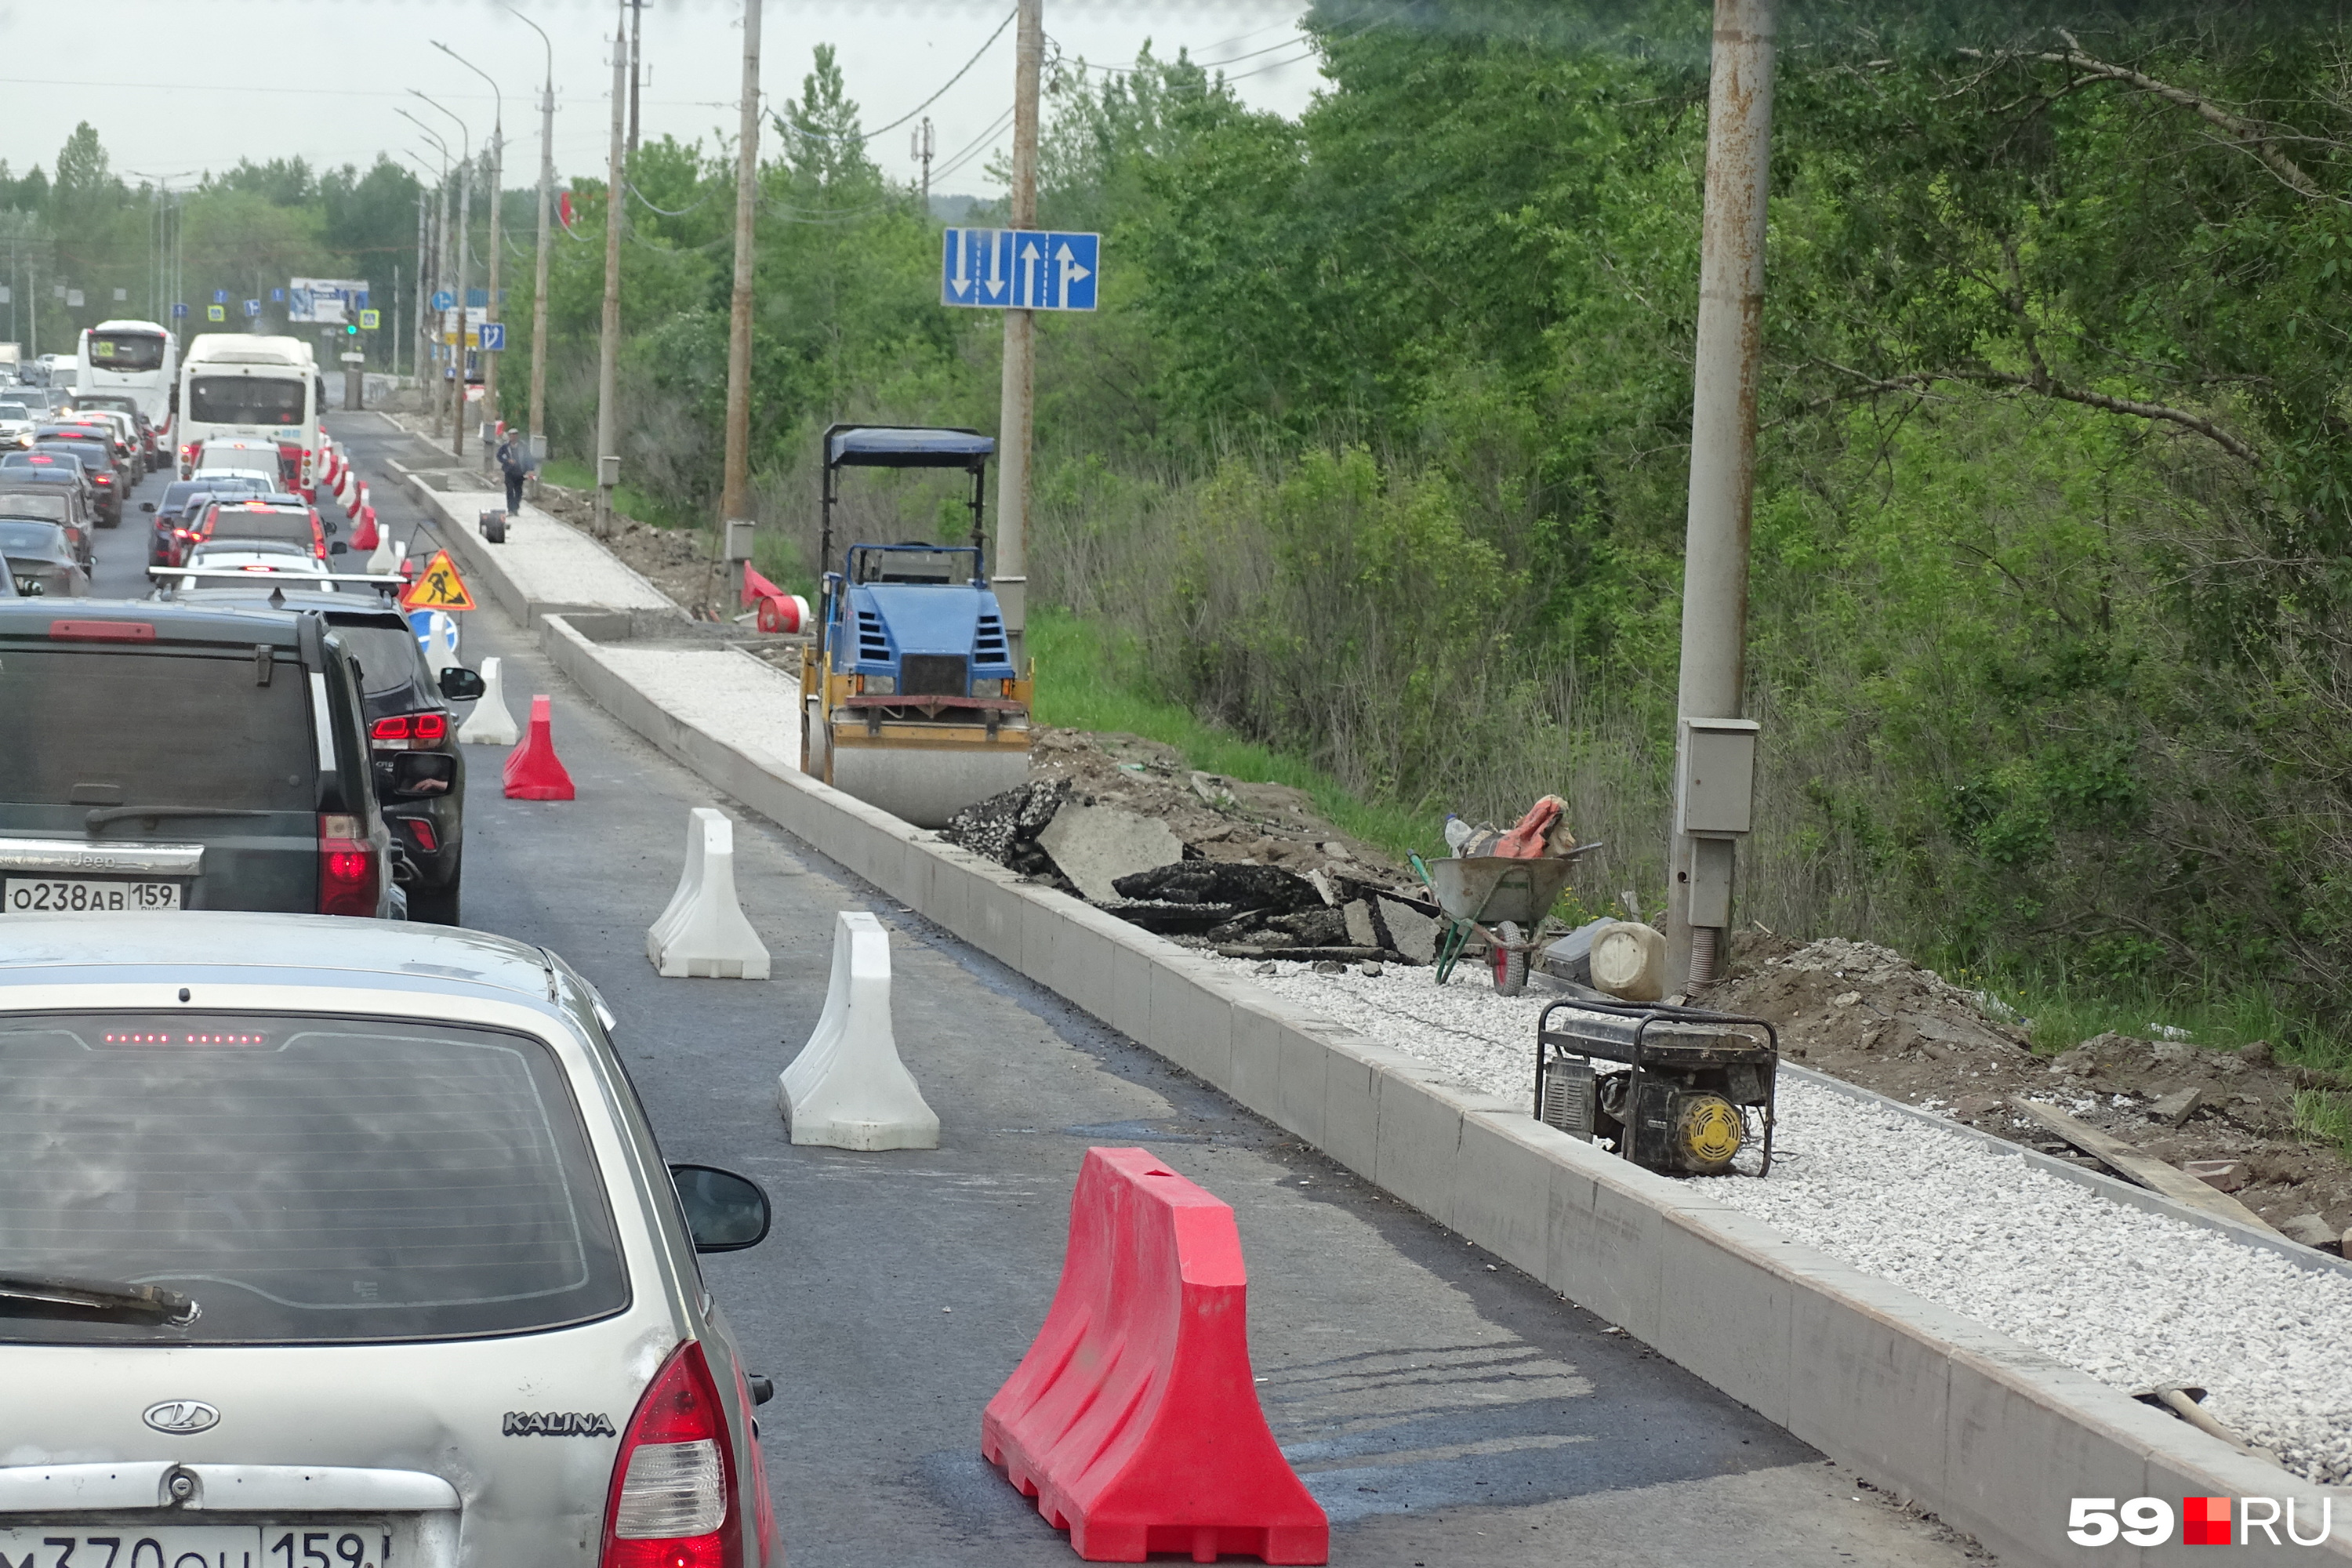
(2129, 1298)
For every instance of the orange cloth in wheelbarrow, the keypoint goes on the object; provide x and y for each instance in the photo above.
(1542, 832)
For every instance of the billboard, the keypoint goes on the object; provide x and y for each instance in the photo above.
(324, 302)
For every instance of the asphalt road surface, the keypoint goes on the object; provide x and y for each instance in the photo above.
(1445, 1409)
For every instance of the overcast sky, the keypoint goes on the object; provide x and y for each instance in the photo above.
(176, 87)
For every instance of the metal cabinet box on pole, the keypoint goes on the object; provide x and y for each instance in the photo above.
(1716, 792)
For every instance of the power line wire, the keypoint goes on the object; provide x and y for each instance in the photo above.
(869, 135)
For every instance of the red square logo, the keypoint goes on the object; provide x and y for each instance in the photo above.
(2205, 1521)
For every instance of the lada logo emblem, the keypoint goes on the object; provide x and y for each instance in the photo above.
(181, 1416)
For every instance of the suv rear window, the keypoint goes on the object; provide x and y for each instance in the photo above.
(305, 1179)
(243, 523)
(183, 728)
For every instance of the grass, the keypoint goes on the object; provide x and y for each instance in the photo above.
(1087, 681)
(573, 474)
(2323, 1118)
(2065, 1011)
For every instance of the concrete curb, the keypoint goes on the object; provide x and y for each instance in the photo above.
(1993, 1436)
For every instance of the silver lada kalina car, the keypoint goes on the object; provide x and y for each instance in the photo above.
(335, 1244)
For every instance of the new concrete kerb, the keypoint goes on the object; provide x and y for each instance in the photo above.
(1978, 1428)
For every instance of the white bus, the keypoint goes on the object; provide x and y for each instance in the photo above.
(133, 359)
(236, 384)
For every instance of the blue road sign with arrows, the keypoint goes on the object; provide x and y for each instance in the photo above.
(220, 296)
(253, 307)
(178, 311)
(1020, 270)
(444, 300)
(492, 336)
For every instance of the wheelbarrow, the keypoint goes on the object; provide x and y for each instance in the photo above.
(1499, 900)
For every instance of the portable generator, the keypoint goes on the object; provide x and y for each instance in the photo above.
(1679, 1090)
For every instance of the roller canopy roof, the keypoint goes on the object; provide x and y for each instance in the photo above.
(905, 447)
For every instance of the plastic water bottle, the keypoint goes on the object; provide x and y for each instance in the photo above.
(1457, 833)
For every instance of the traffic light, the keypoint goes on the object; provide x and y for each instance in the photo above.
(351, 329)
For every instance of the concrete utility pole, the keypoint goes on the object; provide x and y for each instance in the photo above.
(1715, 748)
(1017, 421)
(538, 266)
(922, 147)
(608, 349)
(422, 281)
(441, 254)
(636, 66)
(497, 193)
(734, 500)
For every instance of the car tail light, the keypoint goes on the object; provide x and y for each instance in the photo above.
(393, 728)
(351, 876)
(673, 1493)
(432, 726)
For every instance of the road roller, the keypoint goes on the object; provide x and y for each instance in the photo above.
(911, 698)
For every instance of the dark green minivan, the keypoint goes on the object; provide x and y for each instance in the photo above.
(161, 756)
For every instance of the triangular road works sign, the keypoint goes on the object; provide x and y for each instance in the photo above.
(437, 587)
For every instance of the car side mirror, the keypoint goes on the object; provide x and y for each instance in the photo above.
(417, 775)
(338, 548)
(460, 684)
(724, 1212)
(146, 506)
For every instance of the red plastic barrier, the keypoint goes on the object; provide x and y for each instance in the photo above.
(533, 770)
(364, 531)
(756, 588)
(1133, 1420)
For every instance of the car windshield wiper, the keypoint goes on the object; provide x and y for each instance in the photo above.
(100, 818)
(59, 1296)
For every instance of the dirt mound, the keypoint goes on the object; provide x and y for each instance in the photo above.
(1869, 1016)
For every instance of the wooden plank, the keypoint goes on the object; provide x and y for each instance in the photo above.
(2144, 1169)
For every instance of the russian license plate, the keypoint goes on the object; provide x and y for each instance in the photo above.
(196, 1546)
(84, 896)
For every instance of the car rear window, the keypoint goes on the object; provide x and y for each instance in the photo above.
(239, 522)
(389, 658)
(29, 538)
(181, 728)
(304, 1179)
(47, 508)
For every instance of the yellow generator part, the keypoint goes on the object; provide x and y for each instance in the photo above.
(1711, 1129)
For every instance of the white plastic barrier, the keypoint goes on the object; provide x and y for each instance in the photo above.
(491, 723)
(702, 935)
(847, 1088)
(386, 559)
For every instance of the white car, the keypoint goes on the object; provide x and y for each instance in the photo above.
(15, 423)
(348, 1242)
(233, 564)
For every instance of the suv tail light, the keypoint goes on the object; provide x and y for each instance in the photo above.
(673, 1494)
(410, 727)
(393, 728)
(351, 874)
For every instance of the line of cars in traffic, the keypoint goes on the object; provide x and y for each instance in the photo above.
(344, 1241)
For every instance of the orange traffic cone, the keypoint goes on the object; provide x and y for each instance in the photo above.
(533, 770)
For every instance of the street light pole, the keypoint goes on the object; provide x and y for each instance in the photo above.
(733, 500)
(498, 197)
(538, 281)
(465, 260)
(440, 262)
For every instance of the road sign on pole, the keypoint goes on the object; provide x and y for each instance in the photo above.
(371, 320)
(216, 312)
(491, 336)
(220, 296)
(444, 300)
(253, 307)
(178, 312)
(437, 587)
(1020, 270)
